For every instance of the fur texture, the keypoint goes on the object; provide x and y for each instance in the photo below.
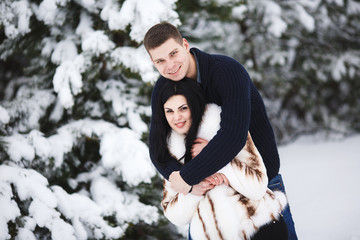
(225, 212)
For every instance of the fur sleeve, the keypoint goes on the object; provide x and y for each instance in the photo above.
(247, 172)
(179, 208)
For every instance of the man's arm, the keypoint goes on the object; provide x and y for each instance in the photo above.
(233, 87)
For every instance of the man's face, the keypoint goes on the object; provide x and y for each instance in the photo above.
(172, 59)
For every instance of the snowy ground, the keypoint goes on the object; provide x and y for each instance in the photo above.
(322, 182)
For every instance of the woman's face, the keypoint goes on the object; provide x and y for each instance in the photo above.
(177, 113)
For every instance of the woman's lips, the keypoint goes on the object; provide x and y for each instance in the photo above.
(180, 125)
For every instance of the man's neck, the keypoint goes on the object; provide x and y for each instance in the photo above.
(192, 73)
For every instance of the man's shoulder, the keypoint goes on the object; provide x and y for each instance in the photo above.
(160, 82)
(214, 59)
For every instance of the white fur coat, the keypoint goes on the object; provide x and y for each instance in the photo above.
(225, 212)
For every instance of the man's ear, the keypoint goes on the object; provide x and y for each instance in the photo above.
(186, 44)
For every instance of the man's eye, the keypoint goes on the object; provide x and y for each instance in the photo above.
(173, 53)
(159, 61)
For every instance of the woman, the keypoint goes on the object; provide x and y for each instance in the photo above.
(243, 209)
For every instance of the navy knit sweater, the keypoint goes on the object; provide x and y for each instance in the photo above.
(226, 83)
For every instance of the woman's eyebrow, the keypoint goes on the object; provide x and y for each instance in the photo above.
(182, 105)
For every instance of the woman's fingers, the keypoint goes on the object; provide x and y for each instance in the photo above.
(218, 179)
(198, 146)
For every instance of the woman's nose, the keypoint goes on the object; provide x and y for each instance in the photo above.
(177, 116)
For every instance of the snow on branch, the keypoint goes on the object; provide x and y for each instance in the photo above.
(121, 148)
(15, 16)
(136, 14)
(49, 206)
(122, 153)
(136, 60)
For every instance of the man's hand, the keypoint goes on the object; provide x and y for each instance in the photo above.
(178, 184)
(202, 188)
(198, 146)
(209, 183)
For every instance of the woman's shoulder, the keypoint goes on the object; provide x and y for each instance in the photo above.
(212, 113)
(210, 123)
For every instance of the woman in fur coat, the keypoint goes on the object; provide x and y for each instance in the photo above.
(240, 208)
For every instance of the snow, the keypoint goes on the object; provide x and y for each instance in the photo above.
(319, 211)
(68, 80)
(133, 58)
(97, 43)
(124, 144)
(353, 7)
(47, 11)
(47, 204)
(305, 18)
(85, 25)
(321, 180)
(136, 13)
(15, 17)
(4, 115)
(19, 148)
(64, 50)
(273, 18)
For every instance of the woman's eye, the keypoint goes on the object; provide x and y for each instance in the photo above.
(184, 108)
(168, 111)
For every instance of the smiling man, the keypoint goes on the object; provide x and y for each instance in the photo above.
(226, 83)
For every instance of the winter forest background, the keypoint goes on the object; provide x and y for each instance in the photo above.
(75, 86)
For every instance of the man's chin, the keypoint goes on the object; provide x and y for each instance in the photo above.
(175, 79)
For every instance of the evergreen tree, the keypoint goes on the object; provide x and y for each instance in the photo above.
(75, 82)
(74, 113)
(302, 55)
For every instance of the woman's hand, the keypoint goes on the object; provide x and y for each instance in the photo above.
(209, 183)
(202, 187)
(178, 184)
(198, 146)
(218, 179)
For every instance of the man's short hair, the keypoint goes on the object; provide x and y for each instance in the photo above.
(160, 33)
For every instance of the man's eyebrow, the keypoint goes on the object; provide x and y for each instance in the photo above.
(175, 49)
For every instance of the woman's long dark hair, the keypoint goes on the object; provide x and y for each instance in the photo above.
(196, 102)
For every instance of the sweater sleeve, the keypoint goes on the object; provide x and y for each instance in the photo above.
(247, 173)
(171, 164)
(231, 84)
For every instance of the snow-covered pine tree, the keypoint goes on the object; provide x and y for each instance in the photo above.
(74, 110)
(302, 55)
(74, 88)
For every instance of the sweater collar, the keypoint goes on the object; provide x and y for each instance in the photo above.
(198, 75)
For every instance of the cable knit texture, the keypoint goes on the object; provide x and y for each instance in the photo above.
(226, 83)
(229, 212)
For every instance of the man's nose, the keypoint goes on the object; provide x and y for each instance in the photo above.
(170, 64)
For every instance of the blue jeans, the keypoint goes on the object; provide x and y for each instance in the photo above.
(277, 184)
(189, 236)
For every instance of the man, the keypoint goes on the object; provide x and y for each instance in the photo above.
(226, 83)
